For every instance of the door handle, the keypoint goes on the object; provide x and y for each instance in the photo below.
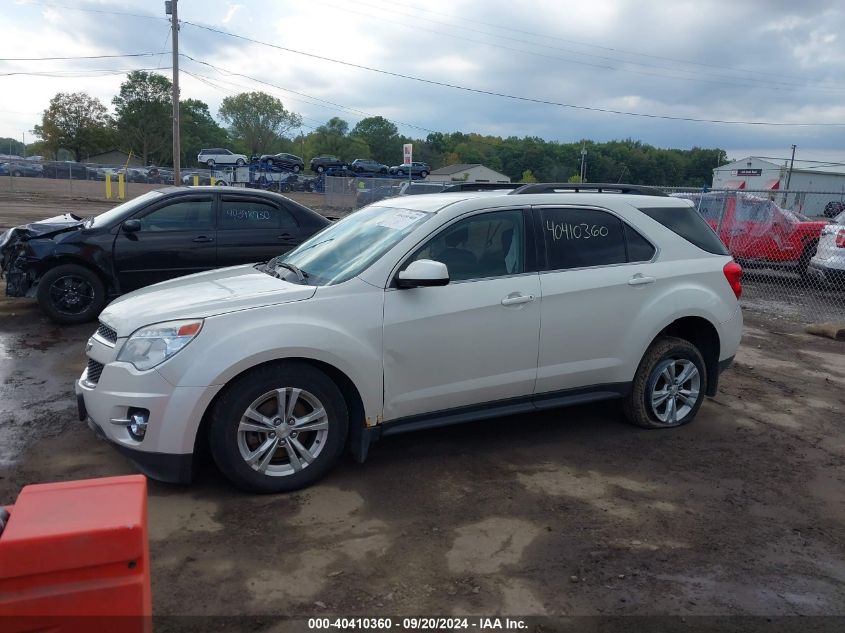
(284, 236)
(203, 238)
(512, 301)
(640, 280)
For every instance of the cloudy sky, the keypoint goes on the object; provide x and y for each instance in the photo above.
(775, 61)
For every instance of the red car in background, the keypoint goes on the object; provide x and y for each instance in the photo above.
(757, 231)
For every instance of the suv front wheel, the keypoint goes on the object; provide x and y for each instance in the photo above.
(669, 385)
(278, 427)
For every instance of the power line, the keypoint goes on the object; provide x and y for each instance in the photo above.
(302, 94)
(428, 11)
(52, 5)
(101, 72)
(721, 79)
(42, 59)
(516, 97)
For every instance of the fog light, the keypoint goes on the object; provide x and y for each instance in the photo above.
(138, 426)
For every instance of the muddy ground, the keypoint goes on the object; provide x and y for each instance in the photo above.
(562, 513)
(570, 512)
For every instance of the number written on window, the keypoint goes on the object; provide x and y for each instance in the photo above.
(582, 231)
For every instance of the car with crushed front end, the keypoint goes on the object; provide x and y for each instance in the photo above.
(413, 313)
(73, 265)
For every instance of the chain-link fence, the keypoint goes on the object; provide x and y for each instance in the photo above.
(791, 243)
(794, 263)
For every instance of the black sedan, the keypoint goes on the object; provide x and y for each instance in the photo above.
(289, 162)
(74, 265)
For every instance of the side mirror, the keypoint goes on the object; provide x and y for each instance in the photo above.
(423, 272)
(131, 226)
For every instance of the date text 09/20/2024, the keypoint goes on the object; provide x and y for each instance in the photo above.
(419, 623)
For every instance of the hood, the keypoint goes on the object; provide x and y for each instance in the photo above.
(42, 228)
(201, 295)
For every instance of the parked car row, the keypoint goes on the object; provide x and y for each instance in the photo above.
(320, 164)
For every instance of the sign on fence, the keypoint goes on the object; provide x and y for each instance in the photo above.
(407, 153)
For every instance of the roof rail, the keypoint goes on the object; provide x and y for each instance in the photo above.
(588, 187)
(481, 186)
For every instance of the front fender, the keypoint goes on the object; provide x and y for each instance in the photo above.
(230, 344)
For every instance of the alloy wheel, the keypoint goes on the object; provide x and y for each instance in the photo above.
(675, 391)
(283, 431)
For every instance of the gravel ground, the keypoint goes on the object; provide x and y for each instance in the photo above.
(569, 512)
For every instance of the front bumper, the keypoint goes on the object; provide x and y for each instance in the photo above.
(166, 450)
(176, 469)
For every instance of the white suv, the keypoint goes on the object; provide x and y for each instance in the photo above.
(417, 312)
(828, 264)
(220, 156)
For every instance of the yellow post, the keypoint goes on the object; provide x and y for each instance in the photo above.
(196, 180)
(108, 186)
(121, 187)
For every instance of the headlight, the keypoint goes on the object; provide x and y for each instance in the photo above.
(154, 344)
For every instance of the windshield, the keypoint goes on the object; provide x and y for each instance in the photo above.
(346, 248)
(122, 210)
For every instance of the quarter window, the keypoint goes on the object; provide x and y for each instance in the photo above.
(188, 215)
(578, 238)
(639, 248)
(253, 214)
(485, 245)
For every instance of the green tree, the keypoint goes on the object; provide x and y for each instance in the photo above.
(381, 137)
(257, 119)
(76, 122)
(144, 115)
(12, 146)
(198, 129)
(528, 176)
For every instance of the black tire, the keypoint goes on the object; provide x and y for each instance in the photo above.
(806, 256)
(70, 294)
(401, 172)
(16, 174)
(210, 162)
(240, 162)
(320, 169)
(296, 169)
(423, 173)
(241, 394)
(638, 404)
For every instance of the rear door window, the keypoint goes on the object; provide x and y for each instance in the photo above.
(581, 238)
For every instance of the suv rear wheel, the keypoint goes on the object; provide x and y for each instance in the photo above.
(71, 294)
(278, 427)
(669, 385)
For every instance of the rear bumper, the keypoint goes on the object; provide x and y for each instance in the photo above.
(825, 274)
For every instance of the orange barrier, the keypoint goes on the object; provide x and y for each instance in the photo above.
(74, 556)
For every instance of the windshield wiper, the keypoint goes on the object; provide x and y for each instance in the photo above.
(302, 275)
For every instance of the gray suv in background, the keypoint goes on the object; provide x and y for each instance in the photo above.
(366, 165)
(417, 169)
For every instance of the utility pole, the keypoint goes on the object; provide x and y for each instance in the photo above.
(583, 161)
(171, 9)
(791, 163)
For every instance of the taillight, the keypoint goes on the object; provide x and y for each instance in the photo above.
(840, 239)
(733, 273)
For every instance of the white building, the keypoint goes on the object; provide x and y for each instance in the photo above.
(466, 173)
(811, 186)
